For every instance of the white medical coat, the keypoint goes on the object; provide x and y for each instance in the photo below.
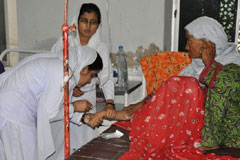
(31, 94)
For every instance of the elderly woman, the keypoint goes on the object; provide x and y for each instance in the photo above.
(207, 44)
(173, 124)
(210, 30)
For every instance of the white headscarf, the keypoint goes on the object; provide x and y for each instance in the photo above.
(78, 59)
(74, 39)
(209, 29)
(94, 42)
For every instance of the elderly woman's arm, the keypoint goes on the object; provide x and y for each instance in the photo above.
(96, 119)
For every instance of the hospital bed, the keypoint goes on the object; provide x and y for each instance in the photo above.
(12, 56)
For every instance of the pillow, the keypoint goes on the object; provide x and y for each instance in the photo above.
(159, 66)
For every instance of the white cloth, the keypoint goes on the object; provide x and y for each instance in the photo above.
(31, 94)
(81, 134)
(105, 75)
(209, 29)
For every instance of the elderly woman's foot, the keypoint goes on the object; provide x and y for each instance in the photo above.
(203, 148)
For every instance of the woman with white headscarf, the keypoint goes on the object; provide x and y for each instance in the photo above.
(88, 25)
(216, 64)
(179, 121)
(31, 94)
(209, 29)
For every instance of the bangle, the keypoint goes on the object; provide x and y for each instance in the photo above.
(111, 104)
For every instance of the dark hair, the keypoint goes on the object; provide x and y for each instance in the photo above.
(90, 7)
(97, 64)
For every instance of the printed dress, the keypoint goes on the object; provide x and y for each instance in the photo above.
(169, 125)
(171, 120)
(222, 107)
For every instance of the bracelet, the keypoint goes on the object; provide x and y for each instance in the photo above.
(111, 104)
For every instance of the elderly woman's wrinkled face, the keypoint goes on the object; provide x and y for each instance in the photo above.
(193, 46)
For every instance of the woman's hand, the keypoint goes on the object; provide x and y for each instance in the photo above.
(77, 92)
(133, 107)
(110, 112)
(82, 106)
(208, 51)
(94, 120)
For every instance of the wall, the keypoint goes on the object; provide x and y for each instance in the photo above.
(138, 25)
(167, 25)
(2, 27)
(10, 9)
(132, 23)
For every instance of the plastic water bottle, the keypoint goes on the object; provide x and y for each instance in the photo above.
(121, 59)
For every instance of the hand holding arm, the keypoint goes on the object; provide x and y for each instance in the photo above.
(94, 120)
(110, 109)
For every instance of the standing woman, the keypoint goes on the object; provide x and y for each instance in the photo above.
(88, 24)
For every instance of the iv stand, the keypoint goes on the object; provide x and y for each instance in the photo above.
(65, 29)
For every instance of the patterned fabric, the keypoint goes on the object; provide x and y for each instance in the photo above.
(159, 66)
(169, 123)
(222, 108)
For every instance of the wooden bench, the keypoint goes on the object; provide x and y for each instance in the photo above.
(100, 148)
(112, 149)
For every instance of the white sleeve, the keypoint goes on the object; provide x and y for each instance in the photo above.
(76, 118)
(108, 86)
(91, 97)
(106, 74)
(53, 96)
(60, 115)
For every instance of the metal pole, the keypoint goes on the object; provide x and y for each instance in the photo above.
(65, 29)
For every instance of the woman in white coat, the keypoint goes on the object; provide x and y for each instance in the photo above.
(31, 94)
(88, 24)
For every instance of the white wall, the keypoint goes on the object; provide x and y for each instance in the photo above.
(136, 22)
(133, 23)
